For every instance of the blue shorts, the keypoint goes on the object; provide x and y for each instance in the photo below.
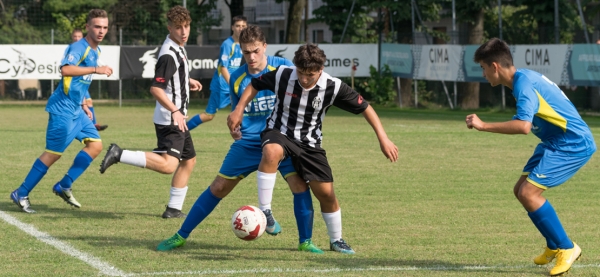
(64, 129)
(550, 168)
(219, 95)
(243, 159)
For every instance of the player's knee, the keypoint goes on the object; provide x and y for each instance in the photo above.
(168, 167)
(93, 148)
(221, 187)
(272, 153)
(208, 117)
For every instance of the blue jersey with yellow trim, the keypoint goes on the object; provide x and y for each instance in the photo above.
(257, 111)
(230, 56)
(554, 118)
(69, 94)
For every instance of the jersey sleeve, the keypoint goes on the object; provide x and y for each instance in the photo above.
(72, 56)
(527, 100)
(235, 98)
(224, 54)
(265, 81)
(163, 72)
(349, 100)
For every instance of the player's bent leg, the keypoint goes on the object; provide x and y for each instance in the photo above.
(163, 163)
(332, 215)
(20, 196)
(179, 189)
(565, 259)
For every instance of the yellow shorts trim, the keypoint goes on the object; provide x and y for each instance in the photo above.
(289, 174)
(90, 139)
(53, 152)
(536, 184)
(525, 173)
(230, 177)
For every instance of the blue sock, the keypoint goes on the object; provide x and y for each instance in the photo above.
(93, 113)
(37, 172)
(549, 243)
(80, 164)
(304, 213)
(194, 122)
(204, 205)
(548, 223)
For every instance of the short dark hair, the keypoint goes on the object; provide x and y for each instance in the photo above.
(77, 30)
(309, 57)
(96, 13)
(178, 16)
(494, 50)
(238, 18)
(252, 34)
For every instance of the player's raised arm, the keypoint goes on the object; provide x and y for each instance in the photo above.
(512, 127)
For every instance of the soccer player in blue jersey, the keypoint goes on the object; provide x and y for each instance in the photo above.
(230, 59)
(247, 148)
(76, 35)
(567, 144)
(69, 116)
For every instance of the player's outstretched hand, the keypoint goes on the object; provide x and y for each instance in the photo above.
(473, 121)
(234, 120)
(195, 85)
(106, 70)
(389, 149)
(179, 121)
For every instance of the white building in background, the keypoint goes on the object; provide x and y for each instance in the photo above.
(271, 17)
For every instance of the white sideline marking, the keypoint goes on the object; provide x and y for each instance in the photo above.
(64, 247)
(333, 270)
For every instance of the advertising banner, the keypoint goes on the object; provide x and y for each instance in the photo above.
(473, 71)
(139, 61)
(42, 62)
(340, 57)
(548, 60)
(438, 62)
(584, 65)
(399, 58)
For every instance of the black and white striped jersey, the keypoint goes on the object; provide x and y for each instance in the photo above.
(172, 75)
(299, 112)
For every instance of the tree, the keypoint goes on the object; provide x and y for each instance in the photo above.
(294, 20)
(236, 7)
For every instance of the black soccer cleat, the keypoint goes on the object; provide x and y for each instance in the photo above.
(113, 156)
(173, 213)
(100, 127)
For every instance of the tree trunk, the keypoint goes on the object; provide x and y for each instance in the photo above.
(407, 93)
(235, 8)
(470, 94)
(294, 22)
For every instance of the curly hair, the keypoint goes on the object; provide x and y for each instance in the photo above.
(494, 50)
(96, 13)
(178, 16)
(252, 34)
(309, 58)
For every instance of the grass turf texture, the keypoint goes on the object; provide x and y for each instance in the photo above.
(445, 206)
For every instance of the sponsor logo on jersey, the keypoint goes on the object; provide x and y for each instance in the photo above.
(160, 79)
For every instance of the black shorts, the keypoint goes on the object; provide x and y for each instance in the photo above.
(172, 141)
(310, 162)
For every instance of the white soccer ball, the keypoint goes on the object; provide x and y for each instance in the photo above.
(248, 223)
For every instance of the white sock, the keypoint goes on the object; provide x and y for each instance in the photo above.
(266, 183)
(137, 158)
(177, 198)
(334, 225)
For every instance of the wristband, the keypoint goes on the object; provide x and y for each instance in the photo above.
(174, 112)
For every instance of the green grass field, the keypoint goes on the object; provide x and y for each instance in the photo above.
(446, 208)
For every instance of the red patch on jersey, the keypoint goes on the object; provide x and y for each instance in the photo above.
(160, 79)
(360, 99)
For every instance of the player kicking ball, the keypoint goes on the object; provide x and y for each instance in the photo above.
(304, 93)
(567, 144)
(247, 148)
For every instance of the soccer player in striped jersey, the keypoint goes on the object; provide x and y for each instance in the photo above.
(230, 59)
(567, 144)
(304, 93)
(246, 148)
(76, 35)
(171, 85)
(69, 116)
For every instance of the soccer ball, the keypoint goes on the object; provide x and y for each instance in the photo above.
(248, 223)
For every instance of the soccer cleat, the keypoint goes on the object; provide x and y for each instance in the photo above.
(341, 246)
(309, 246)
(100, 127)
(66, 194)
(173, 213)
(545, 257)
(171, 243)
(565, 259)
(273, 227)
(22, 202)
(113, 156)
